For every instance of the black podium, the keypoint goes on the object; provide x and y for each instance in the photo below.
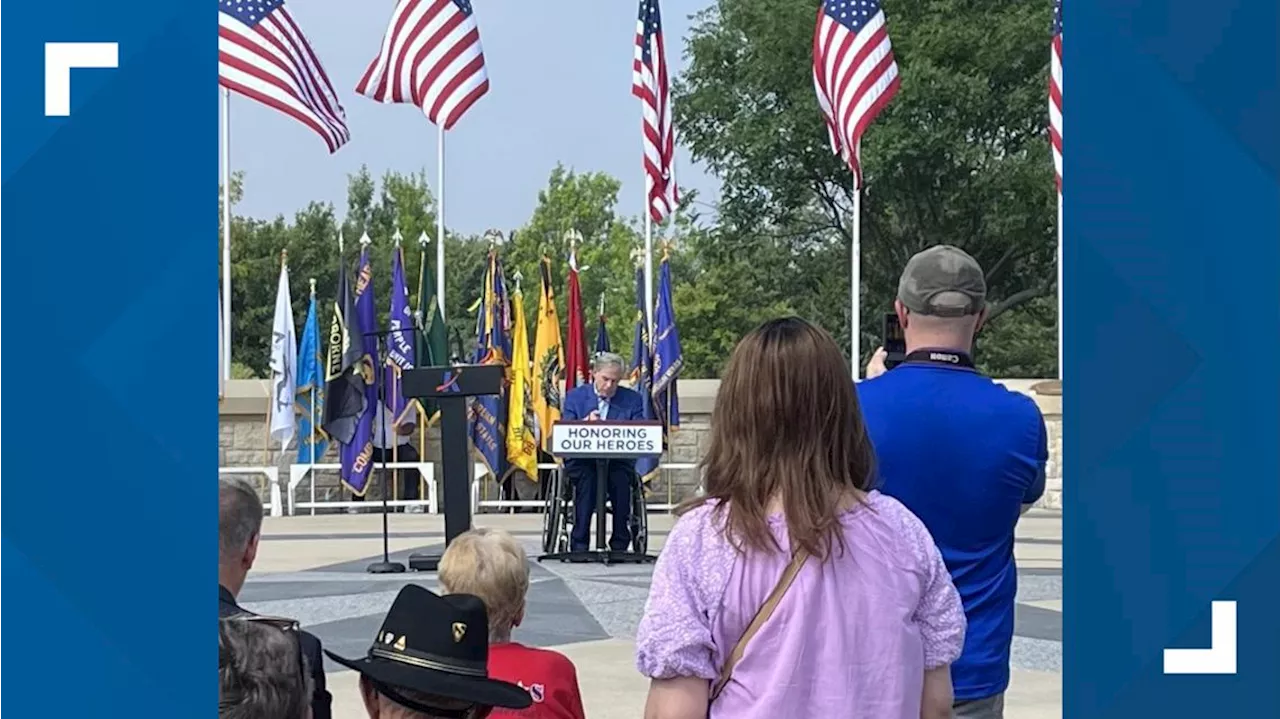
(450, 387)
(603, 441)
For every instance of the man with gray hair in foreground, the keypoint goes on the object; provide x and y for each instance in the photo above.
(239, 529)
(260, 670)
(602, 400)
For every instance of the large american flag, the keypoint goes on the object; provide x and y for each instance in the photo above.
(650, 83)
(430, 57)
(263, 55)
(853, 71)
(1055, 93)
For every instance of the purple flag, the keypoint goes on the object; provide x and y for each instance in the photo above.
(400, 347)
(357, 457)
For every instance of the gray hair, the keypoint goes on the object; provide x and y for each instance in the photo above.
(239, 515)
(261, 672)
(608, 359)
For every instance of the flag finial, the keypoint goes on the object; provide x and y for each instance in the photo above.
(365, 240)
(494, 236)
(517, 278)
(313, 287)
(340, 242)
(397, 236)
(423, 239)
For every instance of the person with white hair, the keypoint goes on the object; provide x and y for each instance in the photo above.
(602, 399)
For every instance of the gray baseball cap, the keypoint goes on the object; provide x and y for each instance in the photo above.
(943, 281)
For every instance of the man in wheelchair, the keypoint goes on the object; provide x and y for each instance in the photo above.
(602, 399)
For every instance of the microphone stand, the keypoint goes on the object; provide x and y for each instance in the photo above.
(386, 566)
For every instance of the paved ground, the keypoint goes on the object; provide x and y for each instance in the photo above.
(313, 568)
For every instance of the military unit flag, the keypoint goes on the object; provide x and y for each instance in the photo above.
(313, 442)
(522, 421)
(493, 346)
(284, 363)
(602, 331)
(345, 373)
(401, 349)
(668, 356)
(432, 335)
(548, 358)
(641, 369)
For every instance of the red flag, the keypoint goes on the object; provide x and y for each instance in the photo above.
(577, 370)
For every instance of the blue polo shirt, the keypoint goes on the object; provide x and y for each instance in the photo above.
(964, 454)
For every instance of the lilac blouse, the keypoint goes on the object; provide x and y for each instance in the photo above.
(851, 638)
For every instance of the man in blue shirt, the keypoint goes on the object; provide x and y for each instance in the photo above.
(599, 400)
(963, 453)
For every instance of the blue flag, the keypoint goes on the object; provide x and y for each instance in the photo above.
(493, 346)
(641, 377)
(400, 347)
(357, 456)
(668, 357)
(313, 441)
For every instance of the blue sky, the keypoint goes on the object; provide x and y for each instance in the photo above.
(560, 74)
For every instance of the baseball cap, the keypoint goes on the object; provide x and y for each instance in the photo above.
(943, 281)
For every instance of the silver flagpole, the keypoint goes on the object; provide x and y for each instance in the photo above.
(855, 276)
(225, 349)
(440, 219)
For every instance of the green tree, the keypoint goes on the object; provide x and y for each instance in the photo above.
(960, 156)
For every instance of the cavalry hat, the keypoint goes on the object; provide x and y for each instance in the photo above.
(943, 281)
(436, 645)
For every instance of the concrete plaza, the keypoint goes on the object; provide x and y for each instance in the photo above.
(313, 568)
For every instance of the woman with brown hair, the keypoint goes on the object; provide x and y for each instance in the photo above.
(791, 588)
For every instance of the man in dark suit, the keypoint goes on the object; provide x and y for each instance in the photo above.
(602, 400)
(239, 527)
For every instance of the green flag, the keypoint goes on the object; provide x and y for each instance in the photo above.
(432, 336)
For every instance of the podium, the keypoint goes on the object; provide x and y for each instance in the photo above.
(603, 441)
(450, 387)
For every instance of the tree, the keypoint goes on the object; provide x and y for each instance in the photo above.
(960, 156)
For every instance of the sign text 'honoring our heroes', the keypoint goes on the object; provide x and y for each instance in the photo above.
(606, 439)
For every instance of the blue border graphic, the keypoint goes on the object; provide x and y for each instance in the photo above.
(1172, 394)
(110, 366)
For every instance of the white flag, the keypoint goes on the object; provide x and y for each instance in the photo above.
(284, 365)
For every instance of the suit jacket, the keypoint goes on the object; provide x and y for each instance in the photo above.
(310, 644)
(626, 405)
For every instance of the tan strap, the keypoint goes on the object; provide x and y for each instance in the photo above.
(762, 616)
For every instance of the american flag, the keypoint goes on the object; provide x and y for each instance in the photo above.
(650, 83)
(430, 57)
(263, 55)
(853, 71)
(1055, 93)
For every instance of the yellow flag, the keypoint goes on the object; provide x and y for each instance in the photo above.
(522, 443)
(548, 360)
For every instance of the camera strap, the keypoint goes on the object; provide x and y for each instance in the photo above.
(946, 358)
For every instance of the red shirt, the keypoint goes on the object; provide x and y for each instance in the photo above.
(549, 677)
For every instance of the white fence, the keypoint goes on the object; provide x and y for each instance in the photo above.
(300, 472)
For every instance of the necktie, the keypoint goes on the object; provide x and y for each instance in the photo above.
(604, 408)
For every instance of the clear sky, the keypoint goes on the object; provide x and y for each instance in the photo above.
(560, 75)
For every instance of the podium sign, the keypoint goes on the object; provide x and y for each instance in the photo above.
(606, 440)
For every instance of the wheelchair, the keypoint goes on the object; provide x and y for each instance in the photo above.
(557, 517)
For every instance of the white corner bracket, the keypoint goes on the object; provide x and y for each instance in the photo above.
(60, 58)
(1220, 657)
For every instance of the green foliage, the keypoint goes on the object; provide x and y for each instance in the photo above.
(960, 156)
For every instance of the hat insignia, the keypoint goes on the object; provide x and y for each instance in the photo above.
(459, 631)
(399, 645)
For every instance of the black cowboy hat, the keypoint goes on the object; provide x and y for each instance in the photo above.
(436, 645)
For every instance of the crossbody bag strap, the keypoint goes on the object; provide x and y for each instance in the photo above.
(762, 616)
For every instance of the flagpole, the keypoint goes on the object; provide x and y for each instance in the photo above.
(225, 349)
(1061, 323)
(855, 275)
(315, 385)
(648, 273)
(439, 219)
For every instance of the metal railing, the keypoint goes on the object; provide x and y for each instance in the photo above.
(278, 505)
(273, 504)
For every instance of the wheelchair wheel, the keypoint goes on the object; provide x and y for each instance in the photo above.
(639, 519)
(553, 515)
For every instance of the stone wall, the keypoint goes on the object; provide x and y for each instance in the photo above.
(242, 441)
